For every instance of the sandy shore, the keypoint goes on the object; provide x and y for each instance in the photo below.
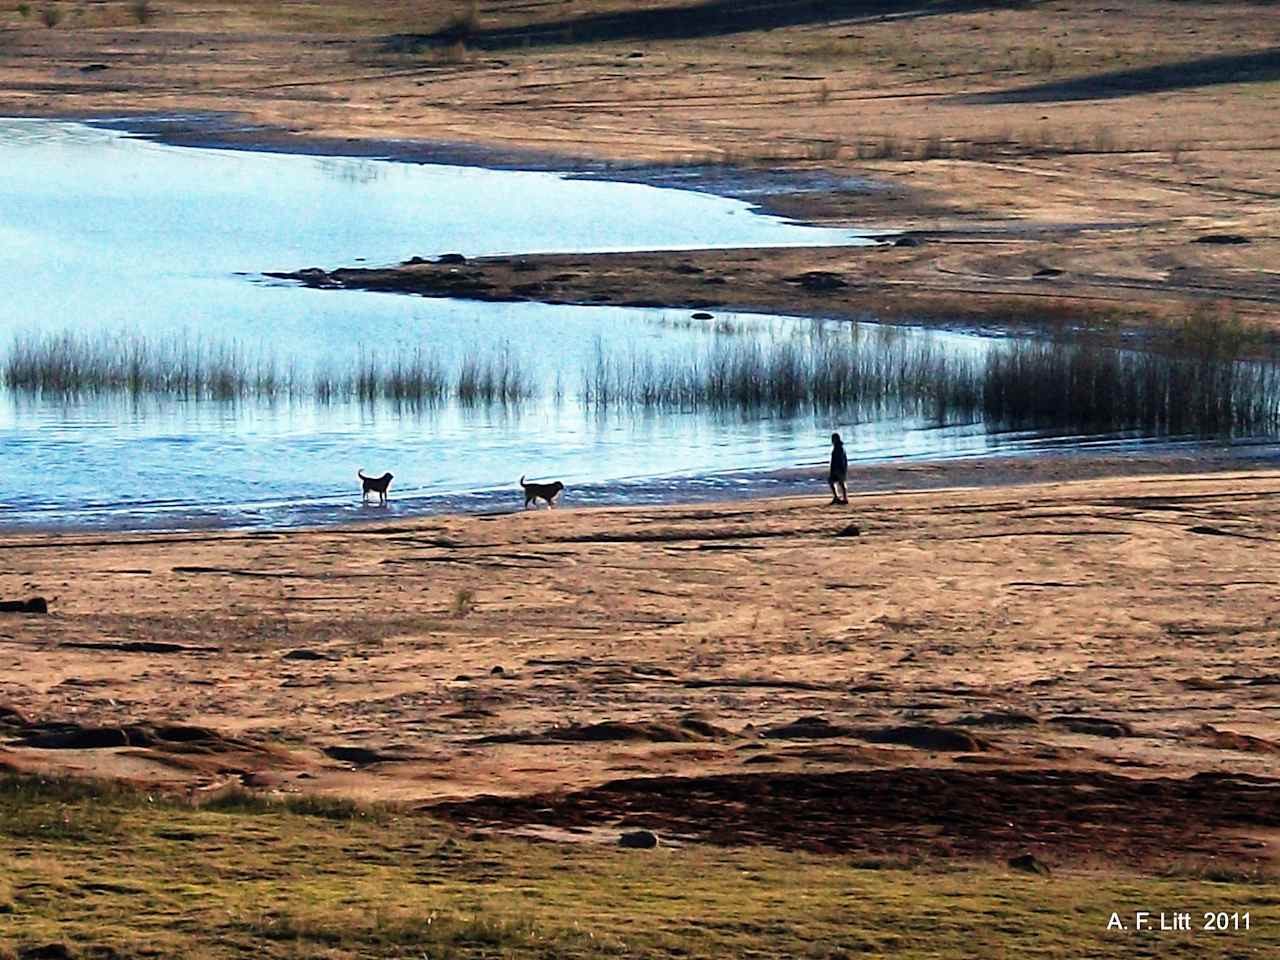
(1083, 667)
(1121, 625)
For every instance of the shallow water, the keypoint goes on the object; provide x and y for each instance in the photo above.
(100, 231)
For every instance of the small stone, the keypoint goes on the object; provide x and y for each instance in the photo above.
(497, 672)
(1028, 863)
(907, 241)
(304, 654)
(1230, 239)
(852, 530)
(703, 316)
(451, 258)
(638, 840)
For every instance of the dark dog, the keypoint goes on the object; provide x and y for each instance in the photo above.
(376, 485)
(533, 492)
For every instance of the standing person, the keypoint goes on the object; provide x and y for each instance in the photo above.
(839, 471)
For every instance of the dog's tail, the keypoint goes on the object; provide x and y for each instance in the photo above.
(360, 474)
(522, 483)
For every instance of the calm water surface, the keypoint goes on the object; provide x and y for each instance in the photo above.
(100, 231)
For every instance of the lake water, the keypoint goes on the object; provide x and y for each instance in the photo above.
(104, 232)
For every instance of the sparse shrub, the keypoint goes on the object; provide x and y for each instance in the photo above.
(51, 15)
(24, 10)
(142, 11)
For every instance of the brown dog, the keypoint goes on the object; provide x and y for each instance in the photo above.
(533, 492)
(376, 485)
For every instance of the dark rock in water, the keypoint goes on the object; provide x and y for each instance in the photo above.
(1222, 238)
(33, 605)
(818, 280)
(852, 530)
(907, 241)
(1028, 863)
(639, 840)
(451, 258)
(703, 316)
(414, 261)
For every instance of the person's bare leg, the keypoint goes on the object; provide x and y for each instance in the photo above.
(834, 496)
(844, 493)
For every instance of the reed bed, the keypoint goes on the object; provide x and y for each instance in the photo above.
(70, 364)
(1078, 383)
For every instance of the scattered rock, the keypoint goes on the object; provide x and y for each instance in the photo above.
(415, 261)
(701, 315)
(451, 258)
(852, 530)
(638, 840)
(1222, 238)
(33, 605)
(907, 241)
(302, 653)
(807, 728)
(139, 646)
(1028, 863)
(363, 756)
(926, 738)
(74, 737)
(687, 730)
(47, 951)
(497, 672)
(1230, 740)
(687, 269)
(1011, 718)
(1044, 273)
(523, 266)
(818, 280)
(1093, 726)
(95, 67)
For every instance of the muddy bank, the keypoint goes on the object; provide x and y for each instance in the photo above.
(948, 278)
(1062, 817)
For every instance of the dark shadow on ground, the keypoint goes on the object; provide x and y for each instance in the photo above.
(1229, 68)
(707, 19)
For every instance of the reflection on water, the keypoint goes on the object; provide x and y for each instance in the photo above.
(116, 235)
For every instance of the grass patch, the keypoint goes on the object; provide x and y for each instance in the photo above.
(264, 882)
